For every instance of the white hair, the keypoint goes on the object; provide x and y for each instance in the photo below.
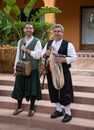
(58, 26)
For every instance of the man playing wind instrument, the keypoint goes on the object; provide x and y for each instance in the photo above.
(60, 54)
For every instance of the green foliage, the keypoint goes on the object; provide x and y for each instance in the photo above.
(42, 31)
(5, 26)
(10, 2)
(11, 6)
(11, 29)
(29, 7)
(45, 10)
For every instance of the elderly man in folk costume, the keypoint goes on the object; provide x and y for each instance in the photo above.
(59, 54)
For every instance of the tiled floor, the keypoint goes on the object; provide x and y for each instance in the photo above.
(84, 63)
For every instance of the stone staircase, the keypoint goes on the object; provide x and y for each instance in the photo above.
(82, 108)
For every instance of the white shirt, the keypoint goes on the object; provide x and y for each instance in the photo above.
(71, 54)
(36, 53)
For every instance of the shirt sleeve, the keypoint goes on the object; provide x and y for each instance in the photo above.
(17, 54)
(37, 51)
(72, 56)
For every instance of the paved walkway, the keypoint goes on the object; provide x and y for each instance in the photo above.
(84, 64)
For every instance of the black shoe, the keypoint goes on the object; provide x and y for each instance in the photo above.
(56, 114)
(67, 118)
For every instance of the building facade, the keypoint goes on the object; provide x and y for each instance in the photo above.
(77, 17)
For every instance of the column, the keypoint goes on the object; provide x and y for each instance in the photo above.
(51, 16)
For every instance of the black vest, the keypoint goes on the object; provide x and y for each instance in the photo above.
(62, 50)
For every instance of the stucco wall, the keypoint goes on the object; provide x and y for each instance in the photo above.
(71, 19)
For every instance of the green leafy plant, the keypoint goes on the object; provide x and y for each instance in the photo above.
(11, 26)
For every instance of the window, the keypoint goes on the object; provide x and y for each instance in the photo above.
(87, 14)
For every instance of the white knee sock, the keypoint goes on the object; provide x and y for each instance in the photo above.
(58, 107)
(67, 110)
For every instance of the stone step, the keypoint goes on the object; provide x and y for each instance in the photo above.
(6, 82)
(82, 108)
(44, 121)
(82, 88)
(80, 83)
(44, 106)
(76, 86)
(79, 97)
(82, 72)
